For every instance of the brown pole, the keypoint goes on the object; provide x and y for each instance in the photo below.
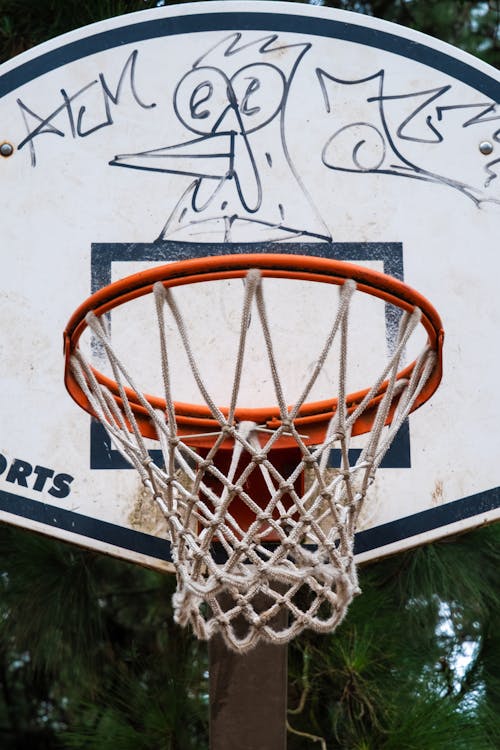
(248, 697)
(248, 692)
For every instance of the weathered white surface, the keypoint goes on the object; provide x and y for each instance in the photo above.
(124, 134)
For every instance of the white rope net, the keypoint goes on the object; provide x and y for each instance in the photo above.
(290, 565)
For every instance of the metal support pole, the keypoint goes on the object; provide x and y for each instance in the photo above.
(248, 692)
(248, 697)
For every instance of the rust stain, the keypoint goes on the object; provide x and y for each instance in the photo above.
(438, 493)
(327, 521)
(146, 515)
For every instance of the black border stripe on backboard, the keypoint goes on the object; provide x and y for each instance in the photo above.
(428, 520)
(250, 21)
(53, 517)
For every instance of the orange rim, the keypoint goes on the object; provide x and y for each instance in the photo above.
(314, 416)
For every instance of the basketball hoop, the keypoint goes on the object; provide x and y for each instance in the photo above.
(258, 521)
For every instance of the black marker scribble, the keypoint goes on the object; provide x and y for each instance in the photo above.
(75, 117)
(234, 99)
(475, 119)
(387, 142)
(492, 173)
(234, 104)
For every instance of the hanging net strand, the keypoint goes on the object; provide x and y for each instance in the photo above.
(261, 551)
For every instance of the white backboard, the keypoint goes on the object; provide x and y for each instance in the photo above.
(213, 128)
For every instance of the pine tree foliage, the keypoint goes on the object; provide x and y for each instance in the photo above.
(469, 24)
(414, 664)
(473, 25)
(24, 23)
(90, 656)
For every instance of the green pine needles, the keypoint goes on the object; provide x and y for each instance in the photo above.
(416, 662)
(90, 656)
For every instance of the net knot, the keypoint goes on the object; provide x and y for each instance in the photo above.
(204, 464)
(243, 547)
(259, 458)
